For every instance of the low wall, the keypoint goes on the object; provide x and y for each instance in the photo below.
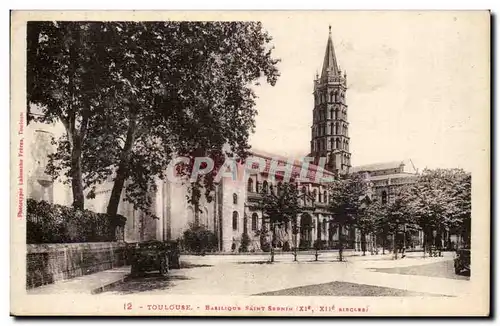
(48, 263)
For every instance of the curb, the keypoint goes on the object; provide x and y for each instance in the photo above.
(109, 285)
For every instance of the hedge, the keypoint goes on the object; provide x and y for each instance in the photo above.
(51, 223)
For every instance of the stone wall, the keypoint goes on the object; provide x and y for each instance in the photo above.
(48, 263)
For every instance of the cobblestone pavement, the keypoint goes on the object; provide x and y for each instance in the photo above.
(250, 275)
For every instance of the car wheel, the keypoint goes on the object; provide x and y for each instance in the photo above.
(164, 267)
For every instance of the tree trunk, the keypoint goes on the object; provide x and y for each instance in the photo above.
(394, 248)
(425, 241)
(123, 169)
(363, 243)
(272, 243)
(76, 175)
(384, 237)
(341, 243)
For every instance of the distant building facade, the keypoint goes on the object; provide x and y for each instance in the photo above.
(385, 180)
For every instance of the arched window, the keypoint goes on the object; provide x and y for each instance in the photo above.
(235, 220)
(337, 143)
(324, 226)
(332, 145)
(255, 217)
(331, 96)
(384, 197)
(257, 186)
(331, 129)
(319, 196)
(331, 113)
(264, 186)
(235, 199)
(250, 185)
(325, 196)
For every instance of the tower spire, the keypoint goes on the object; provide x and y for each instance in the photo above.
(330, 60)
(329, 131)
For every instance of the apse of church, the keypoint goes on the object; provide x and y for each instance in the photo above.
(330, 129)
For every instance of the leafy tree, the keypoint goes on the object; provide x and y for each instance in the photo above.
(347, 195)
(67, 79)
(161, 81)
(367, 220)
(280, 206)
(399, 212)
(442, 201)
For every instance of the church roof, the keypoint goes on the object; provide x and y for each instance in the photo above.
(393, 176)
(330, 60)
(377, 166)
(410, 168)
(297, 164)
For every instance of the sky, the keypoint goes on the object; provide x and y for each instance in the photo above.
(418, 85)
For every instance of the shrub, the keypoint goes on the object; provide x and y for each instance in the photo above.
(199, 239)
(245, 242)
(51, 223)
(319, 244)
(286, 246)
(265, 245)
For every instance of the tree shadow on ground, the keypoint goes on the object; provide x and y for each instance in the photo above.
(185, 265)
(146, 282)
(255, 262)
(347, 289)
(443, 269)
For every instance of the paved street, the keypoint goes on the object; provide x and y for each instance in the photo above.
(254, 275)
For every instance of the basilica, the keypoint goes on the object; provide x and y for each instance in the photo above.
(232, 211)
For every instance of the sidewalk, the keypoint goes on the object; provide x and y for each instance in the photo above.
(87, 284)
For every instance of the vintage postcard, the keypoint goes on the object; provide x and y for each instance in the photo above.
(267, 163)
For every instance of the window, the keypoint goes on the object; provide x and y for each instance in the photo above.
(235, 220)
(319, 198)
(235, 199)
(250, 185)
(331, 113)
(264, 186)
(257, 186)
(325, 196)
(254, 221)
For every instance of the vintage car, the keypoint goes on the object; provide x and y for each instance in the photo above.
(462, 262)
(155, 255)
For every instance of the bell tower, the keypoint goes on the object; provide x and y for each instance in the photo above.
(330, 129)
